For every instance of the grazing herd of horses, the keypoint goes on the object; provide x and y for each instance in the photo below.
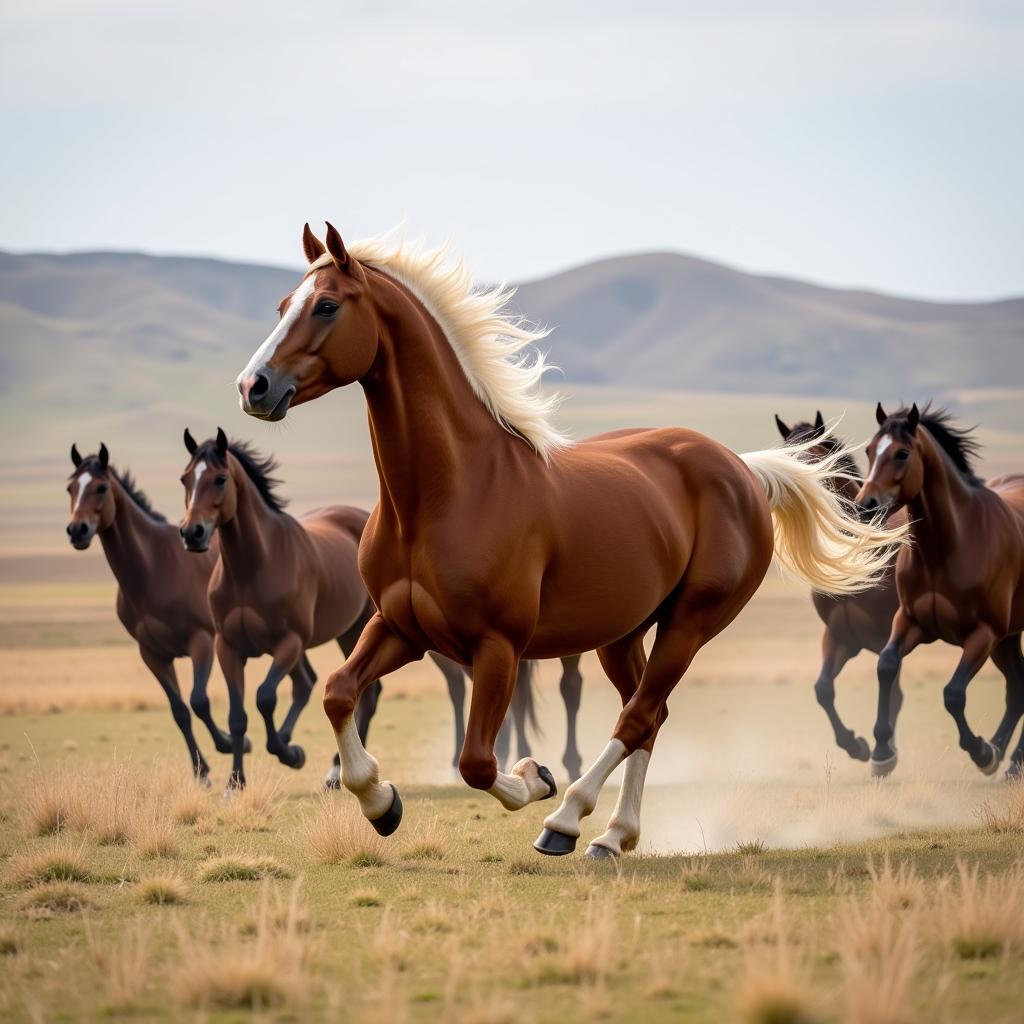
(497, 541)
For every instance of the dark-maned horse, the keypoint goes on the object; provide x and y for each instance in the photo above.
(161, 595)
(962, 578)
(496, 539)
(853, 622)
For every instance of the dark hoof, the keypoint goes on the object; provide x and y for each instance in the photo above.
(546, 776)
(235, 782)
(1015, 772)
(246, 746)
(861, 751)
(331, 781)
(223, 744)
(389, 821)
(299, 756)
(595, 852)
(204, 780)
(989, 758)
(554, 844)
(880, 769)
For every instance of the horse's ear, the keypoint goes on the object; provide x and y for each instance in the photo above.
(222, 442)
(104, 456)
(311, 245)
(783, 429)
(819, 422)
(336, 247)
(880, 416)
(190, 442)
(913, 418)
(76, 459)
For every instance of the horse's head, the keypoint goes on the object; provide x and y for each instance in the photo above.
(93, 504)
(210, 495)
(802, 432)
(326, 338)
(895, 466)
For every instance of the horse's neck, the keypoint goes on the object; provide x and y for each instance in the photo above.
(937, 513)
(246, 538)
(129, 541)
(427, 426)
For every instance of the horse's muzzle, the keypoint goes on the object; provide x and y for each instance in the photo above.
(266, 394)
(196, 537)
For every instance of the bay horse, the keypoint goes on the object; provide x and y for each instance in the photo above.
(853, 622)
(168, 621)
(497, 539)
(962, 578)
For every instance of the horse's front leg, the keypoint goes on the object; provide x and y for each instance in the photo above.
(200, 651)
(378, 652)
(286, 656)
(834, 655)
(905, 636)
(495, 666)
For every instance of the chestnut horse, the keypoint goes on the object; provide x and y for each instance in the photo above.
(168, 621)
(853, 622)
(962, 578)
(495, 538)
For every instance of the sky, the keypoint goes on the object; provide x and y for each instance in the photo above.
(859, 144)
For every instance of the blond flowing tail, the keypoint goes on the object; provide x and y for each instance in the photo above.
(818, 536)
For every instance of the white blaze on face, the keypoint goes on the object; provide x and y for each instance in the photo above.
(883, 443)
(196, 474)
(83, 483)
(266, 351)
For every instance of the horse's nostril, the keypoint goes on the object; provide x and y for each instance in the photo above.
(71, 530)
(260, 387)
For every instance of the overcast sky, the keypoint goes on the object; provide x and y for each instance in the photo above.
(863, 143)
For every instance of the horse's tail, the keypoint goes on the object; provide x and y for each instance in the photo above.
(525, 696)
(818, 535)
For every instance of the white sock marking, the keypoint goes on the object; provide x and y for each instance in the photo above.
(623, 832)
(581, 797)
(360, 773)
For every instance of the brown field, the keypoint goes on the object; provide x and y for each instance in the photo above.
(775, 881)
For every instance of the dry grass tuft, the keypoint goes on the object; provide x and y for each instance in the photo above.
(62, 862)
(240, 868)
(162, 890)
(429, 842)
(367, 898)
(895, 890)
(53, 898)
(10, 940)
(122, 963)
(266, 971)
(1005, 815)
(981, 915)
(695, 875)
(153, 835)
(53, 801)
(752, 848)
(524, 867)
(586, 949)
(339, 834)
(252, 809)
(774, 987)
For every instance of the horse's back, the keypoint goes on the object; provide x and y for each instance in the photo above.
(1010, 487)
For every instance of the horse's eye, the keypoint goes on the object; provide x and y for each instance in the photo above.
(325, 308)
(102, 489)
(902, 455)
(220, 480)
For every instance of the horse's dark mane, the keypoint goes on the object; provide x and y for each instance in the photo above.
(127, 482)
(959, 443)
(259, 468)
(808, 431)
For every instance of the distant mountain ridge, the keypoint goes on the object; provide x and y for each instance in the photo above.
(124, 327)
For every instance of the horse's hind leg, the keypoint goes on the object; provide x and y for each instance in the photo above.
(286, 655)
(303, 680)
(1010, 661)
(695, 613)
(163, 669)
(835, 654)
(977, 649)
(624, 663)
(200, 650)
(571, 689)
(523, 713)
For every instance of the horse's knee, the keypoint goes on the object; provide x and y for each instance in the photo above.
(954, 698)
(478, 771)
(635, 729)
(339, 698)
(266, 699)
(888, 665)
(825, 691)
(200, 704)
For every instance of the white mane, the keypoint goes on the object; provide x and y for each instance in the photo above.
(486, 339)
